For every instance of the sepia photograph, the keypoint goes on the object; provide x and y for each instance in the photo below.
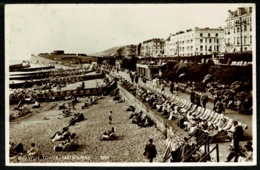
(130, 84)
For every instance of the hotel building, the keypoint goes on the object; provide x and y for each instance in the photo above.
(197, 41)
(238, 30)
(152, 48)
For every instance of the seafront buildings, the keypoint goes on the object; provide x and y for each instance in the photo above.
(197, 41)
(238, 30)
(152, 47)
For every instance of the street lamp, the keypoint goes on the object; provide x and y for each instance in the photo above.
(239, 24)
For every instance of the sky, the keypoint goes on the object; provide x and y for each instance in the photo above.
(90, 28)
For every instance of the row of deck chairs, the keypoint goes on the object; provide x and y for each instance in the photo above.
(223, 125)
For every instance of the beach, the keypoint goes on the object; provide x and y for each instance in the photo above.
(43, 122)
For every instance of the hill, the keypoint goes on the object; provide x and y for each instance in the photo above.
(110, 51)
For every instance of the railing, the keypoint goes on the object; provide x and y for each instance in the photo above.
(204, 139)
(206, 155)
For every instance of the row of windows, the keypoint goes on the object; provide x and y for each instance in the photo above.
(244, 19)
(181, 42)
(236, 40)
(209, 35)
(237, 29)
(209, 48)
(190, 48)
(174, 38)
(209, 40)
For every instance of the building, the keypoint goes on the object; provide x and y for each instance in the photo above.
(152, 48)
(58, 56)
(238, 30)
(198, 41)
(128, 51)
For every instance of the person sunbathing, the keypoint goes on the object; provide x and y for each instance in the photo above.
(109, 134)
(61, 135)
(67, 145)
(34, 152)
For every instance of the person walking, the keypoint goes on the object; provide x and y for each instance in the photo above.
(150, 150)
(110, 117)
(237, 137)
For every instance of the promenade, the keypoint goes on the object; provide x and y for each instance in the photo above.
(247, 119)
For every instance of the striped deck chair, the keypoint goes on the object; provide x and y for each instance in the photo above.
(206, 115)
(184, 103)
(228, 125)
(222, 122)
(201, 111)
(186, 108)
(225, 121)
(214, 117)
(212, 114)
(173, 98)
(177, 100)
(217, 118)
(197, 111)
(192, 109)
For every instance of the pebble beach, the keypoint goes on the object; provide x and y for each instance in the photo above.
(42, 123)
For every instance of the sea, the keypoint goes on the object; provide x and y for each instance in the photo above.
(11, 62)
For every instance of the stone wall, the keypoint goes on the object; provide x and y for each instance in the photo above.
(162, 124)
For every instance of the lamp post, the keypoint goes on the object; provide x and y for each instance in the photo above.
(239, 24)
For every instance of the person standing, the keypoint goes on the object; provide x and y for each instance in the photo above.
(237, 137)
(192, 96)
(171, 87)
(218, 98)
(150, 150)
(110, 117)
(204, 99)
(176, 88)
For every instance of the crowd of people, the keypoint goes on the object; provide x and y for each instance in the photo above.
(187, 114)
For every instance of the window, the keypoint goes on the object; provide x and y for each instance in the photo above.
(217, 47)
(238, 40)
(245, 39)
(234, 41)
(250, 27)
(209, 40)
(237, 29)
(245, 26)
(250, 39)
(216, 34)
(234, 30)
(205, 40)
(217, 40)
(208, 34)
(201, 40)
(200, 34)
(201, 48)
(205, 47)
